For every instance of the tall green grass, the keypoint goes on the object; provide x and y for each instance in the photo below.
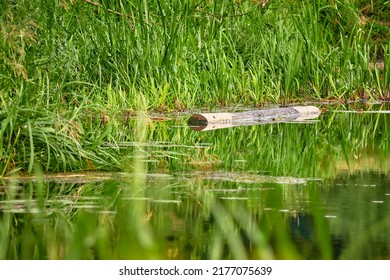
(73, 72)
(78, 79)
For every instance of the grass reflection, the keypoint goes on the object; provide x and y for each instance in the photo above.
(281, 191)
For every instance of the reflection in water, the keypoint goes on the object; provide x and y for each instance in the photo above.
(335, 219)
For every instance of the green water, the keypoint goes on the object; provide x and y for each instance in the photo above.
(317, 190)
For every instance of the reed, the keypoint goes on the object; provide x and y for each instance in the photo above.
(73, 73)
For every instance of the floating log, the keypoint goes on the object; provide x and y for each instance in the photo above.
(208, 121)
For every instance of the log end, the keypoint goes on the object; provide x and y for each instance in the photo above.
(197, 119)
(307, 112)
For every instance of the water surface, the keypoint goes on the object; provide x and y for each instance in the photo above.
(317, 190)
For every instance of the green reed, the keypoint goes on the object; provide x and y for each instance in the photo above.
(73, 73)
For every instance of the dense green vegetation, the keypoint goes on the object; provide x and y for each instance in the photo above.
(96, 85)
(72, 73)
